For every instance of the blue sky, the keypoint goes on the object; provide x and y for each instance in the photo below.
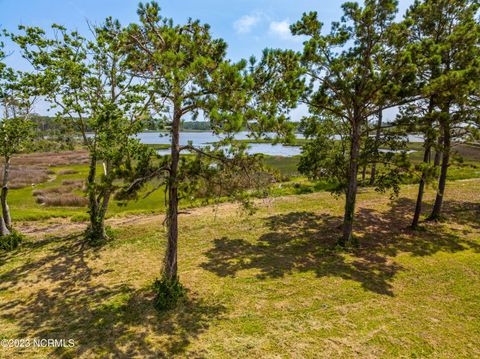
(248, 26)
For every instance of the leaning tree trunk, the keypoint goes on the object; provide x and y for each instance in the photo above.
(352, 184)
(437, 207)
(170, 261)
(3, 197)
(377, 140)
(426, 159)
(421, 187)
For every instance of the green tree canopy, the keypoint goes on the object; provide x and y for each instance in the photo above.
(352, 70)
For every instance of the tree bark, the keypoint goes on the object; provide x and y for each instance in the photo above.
(421, 187)
(437, 207)
(3, 197)
(377, 140)
(364, 174)
(429, 138)
(438, 152)
(352, 185)
(4, 231)
(92, 200)
(98, 204)
(96, 229)
(170, 261)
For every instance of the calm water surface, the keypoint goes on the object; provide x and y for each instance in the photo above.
(201, 139)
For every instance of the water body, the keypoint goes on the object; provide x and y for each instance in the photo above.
(202, 139)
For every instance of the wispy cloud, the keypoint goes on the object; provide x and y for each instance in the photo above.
(246, 23)
(281, 29)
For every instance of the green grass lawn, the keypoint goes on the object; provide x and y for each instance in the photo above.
(268, 285)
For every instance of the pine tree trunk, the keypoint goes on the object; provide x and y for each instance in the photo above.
(437, 207)
(3, 197)
(170, 261)
(438, 152)
(377, 140)
(421, 187)
(364, 173)
(429, 138)
(352, 185)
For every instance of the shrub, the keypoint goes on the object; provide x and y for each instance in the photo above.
(11, 241)
(168, 293)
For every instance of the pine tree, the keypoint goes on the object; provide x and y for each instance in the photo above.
(353, 69)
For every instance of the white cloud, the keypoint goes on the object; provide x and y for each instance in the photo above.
(281, 29)
(245, 24)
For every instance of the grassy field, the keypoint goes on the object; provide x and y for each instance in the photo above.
(268, 285)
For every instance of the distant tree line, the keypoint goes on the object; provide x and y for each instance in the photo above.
(50, 124)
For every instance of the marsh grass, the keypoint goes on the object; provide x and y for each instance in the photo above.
(68, 168)
(26, 176)
(32, 169)
(60, 199)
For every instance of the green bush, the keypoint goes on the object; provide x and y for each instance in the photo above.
(168, 293)
(11, 241)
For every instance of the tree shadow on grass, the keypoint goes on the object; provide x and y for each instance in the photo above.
(464, 213)
(306, 242)
(61, 296)
(301, 242)
(388, 233)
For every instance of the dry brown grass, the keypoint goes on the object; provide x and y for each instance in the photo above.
(23, 176)
(33, 168)
(67, 172)
(467, 151)
(62, 200)
(53, 190)
(61, 196)
(50, 159)
(73, 183)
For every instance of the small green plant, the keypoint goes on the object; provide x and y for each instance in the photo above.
(11, 241)
(168, 293)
